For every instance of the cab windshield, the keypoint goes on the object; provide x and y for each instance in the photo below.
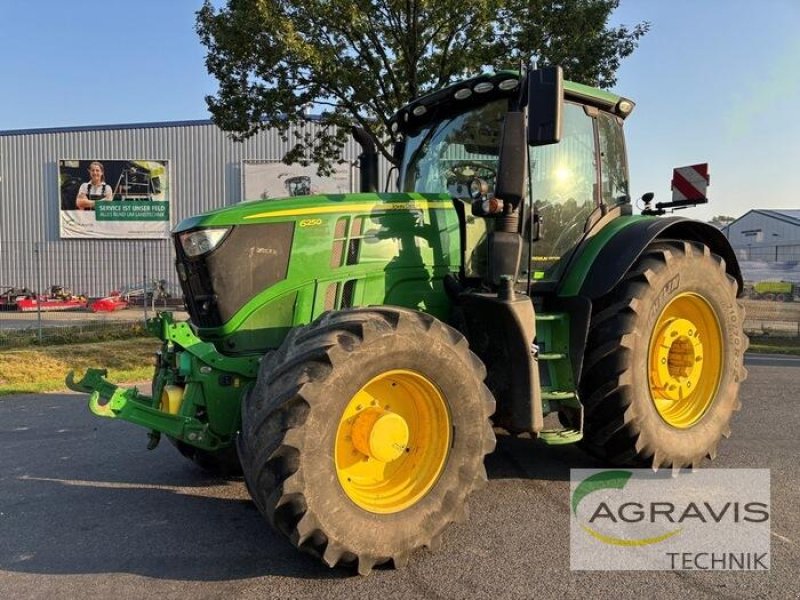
(446, 155)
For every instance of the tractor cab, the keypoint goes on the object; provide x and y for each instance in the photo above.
(537, 170)
(451, 141)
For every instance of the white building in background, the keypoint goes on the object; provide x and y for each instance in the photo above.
(768, 235)
(767, 243)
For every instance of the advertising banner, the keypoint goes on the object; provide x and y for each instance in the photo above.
(114, 199)
(264, 180)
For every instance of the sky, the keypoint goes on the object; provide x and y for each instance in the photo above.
(714, 81)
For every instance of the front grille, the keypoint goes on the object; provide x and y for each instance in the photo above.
(250, 259)
(352, 251)
(348, 293)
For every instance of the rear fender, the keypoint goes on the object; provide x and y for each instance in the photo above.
(603, 261)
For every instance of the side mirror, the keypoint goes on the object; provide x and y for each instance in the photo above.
(512, 169)
(545, 99)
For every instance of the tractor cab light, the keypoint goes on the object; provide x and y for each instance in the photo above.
(508, 84)
(624, 107)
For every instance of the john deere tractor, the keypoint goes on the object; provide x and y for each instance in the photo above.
(352, 354)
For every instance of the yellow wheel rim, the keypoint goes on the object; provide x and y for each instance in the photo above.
(685, 360)
(392, 441)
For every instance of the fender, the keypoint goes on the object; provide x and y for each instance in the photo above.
(603, 259)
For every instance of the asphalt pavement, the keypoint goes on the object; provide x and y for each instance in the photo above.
(87, 512)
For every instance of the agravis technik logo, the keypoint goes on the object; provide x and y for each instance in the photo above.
(715, 519)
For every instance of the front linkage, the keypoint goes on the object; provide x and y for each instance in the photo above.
(194, 387)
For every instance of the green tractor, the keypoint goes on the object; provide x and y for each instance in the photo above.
(352, 354)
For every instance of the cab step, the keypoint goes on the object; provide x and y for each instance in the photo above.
(559, 437)
(560, 397)
(551, 356)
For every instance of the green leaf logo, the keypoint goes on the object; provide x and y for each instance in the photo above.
(605, 481)
(599, 481)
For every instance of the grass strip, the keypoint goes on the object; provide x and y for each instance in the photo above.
(91, 332)
(770, 344)
(35, 369)
(43, 369)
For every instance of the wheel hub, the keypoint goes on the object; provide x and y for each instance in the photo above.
(679, 359)
(380, 434)
(685, 360)
(392, 441)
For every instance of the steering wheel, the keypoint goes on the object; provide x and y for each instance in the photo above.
(466, 171)
(461, 174)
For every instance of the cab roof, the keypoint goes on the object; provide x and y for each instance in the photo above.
(478, 90)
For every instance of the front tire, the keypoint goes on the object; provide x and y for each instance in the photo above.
(664, 360)
(365, 434)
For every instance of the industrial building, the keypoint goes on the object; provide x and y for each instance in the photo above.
(768, 235)
(767, 243)
(164, 171)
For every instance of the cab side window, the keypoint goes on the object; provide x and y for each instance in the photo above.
(613, 168)
(564, 181)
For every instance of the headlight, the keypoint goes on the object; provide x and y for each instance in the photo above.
(199, 242)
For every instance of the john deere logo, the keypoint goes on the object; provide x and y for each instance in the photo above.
(628, 512)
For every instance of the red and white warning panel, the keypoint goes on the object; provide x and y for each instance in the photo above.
(690, 183)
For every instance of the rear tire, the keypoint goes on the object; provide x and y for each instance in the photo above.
(302, 447)
(664, 360)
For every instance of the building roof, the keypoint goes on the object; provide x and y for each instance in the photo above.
(785, 215)
(791, 216)
(118, 126)
(41, 130)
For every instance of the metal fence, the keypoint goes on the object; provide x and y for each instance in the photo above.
(771, 289)
(771, 254)
(89, 267)
(47, 297)
(770, 317)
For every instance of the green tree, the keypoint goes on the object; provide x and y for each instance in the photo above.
(358, 61)
(722, 220)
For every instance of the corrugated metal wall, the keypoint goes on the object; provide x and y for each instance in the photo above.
(757, 227)
(766, 236)
(205, 170)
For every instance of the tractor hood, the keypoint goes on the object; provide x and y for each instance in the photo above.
(321, 206)
(241, 266)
